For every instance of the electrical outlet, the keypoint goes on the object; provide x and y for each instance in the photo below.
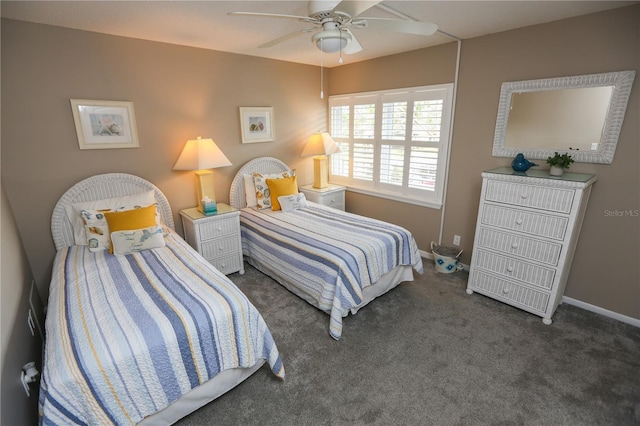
(456, 240)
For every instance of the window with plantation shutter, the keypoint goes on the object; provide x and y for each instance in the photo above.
(393, 143)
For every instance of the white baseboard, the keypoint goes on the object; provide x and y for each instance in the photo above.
(598, 310)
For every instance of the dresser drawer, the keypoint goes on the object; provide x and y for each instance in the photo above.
(220, 246)
(515, 269)
(544, 225)
(521, 246)
(511, 292)
(538, 197)
(228, 264)
(219, 227)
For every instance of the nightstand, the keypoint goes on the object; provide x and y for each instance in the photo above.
(215, 237)
(332, 196)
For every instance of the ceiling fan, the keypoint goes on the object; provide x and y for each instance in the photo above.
(333, 21)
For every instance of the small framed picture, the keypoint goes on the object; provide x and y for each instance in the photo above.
(257, 124)
(104, 124)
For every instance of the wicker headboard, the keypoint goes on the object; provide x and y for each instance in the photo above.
(237, 196)
(97, 187)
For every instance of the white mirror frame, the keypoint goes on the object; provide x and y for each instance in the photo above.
(621, 81)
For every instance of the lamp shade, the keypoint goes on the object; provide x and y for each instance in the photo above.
(200, 154)
(320, 144)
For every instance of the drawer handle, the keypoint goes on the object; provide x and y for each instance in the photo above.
(510, 269)
(505, 290)
(524, 196)
(220, 248)
(514, 246)
(518, 221)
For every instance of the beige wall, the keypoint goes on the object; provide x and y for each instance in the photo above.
(606, 270)
(180, 92)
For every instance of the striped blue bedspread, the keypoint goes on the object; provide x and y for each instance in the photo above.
(327, 255)
(128, 335)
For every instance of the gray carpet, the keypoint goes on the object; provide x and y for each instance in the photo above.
(426, 353)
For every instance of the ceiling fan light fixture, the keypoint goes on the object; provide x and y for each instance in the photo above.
(331, 45)
(331, 41)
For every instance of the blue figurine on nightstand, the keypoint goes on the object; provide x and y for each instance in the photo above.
(521, 164)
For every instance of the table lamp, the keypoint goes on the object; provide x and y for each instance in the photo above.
(320, 145)
(201, 155)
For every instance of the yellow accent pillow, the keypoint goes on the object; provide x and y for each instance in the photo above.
(128, 220)
(279, 187)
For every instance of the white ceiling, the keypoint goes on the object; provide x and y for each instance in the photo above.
(206, 24)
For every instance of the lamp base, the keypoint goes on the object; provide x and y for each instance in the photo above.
(320, 175)
(204, 188)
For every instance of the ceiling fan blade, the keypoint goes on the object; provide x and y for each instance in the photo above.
(353, 46)
(354, 8)
(271, 15)
(400, 26)
(285, 38)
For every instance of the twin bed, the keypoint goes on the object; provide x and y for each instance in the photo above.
(150, 336)
(336, 261)
(144, 338)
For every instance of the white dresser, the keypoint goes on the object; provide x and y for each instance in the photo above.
(527, 230)
(215, 237)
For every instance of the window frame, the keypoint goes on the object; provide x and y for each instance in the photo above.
(432, 199)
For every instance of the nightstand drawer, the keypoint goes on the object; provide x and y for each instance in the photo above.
(335, 200)
(218, 228)
(228, 264)
(543, 225)
(510, 268)
(220, 246)
(538, 197)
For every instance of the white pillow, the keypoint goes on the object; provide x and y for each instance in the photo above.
(250, 191)
(292, 202)
(126, 242)
(125, 202)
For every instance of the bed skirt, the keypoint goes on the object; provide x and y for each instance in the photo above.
(201, 396)
(388, 281)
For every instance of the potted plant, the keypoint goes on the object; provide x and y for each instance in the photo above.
(558, 163)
